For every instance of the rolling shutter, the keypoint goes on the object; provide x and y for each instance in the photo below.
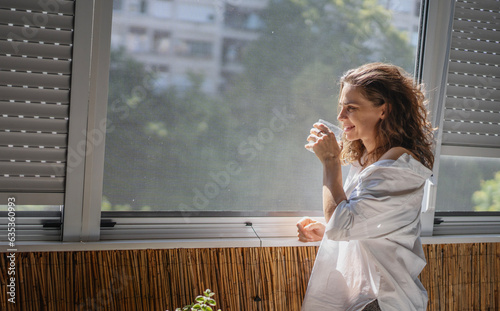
(36, 39)
(36, 42)
(472, 107)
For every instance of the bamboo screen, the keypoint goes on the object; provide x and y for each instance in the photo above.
(457, 277)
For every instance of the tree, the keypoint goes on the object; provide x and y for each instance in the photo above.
(488, 198)
(159, 141)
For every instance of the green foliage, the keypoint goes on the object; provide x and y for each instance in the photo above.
(488, 198)
(203, 302)
(337, 34)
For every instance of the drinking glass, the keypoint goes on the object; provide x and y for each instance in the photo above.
(335, 129)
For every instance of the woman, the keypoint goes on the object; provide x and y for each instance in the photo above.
(371, 255)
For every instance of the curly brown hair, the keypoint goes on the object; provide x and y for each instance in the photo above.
(406, 123)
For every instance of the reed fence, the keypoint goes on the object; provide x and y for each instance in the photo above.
(457, 277)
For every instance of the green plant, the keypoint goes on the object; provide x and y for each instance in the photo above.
(203, 302)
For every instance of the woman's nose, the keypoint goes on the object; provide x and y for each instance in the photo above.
(341, 115)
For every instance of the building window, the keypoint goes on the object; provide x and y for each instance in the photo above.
(233, 51)
(242, 18)
(195, 49)
(161, 42)
(137, 40)
(196, 13)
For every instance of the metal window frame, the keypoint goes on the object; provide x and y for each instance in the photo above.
(434, 74)
(432, 71)
(89, 92)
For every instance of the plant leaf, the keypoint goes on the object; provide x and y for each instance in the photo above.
(200, 299)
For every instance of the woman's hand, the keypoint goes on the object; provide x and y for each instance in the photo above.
(310, 230)
(325, 144)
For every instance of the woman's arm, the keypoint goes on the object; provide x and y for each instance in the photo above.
(333, 192)
(327, 150)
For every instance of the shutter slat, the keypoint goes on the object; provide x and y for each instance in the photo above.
(483, 4)
(483, 34)
(35, 49)
(40, 184)
(454, 139)
(468, 115)
(469, 103)
(59, 6)
(474, 80)
(471, 56)
(476, 14)
(17, 124)
(21, 18)
(35, 95)
(472, 27)
(474, 45)
(33, 139)
(474, 69)
(32, 154)
(21, 33)
(471, 92)
(35, 64)
(31, 169)
(467, 127)
(34, 109)
(34, 79)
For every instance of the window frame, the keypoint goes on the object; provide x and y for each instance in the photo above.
(434, 75)
(83, 220)
(89, 93)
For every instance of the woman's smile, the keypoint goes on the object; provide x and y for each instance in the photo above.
(348, 128)
(359, 116)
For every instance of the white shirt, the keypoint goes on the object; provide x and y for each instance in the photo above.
(371, 248)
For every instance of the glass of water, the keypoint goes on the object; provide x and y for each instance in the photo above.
(335, 129)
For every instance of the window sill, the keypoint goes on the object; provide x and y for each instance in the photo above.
(214, 243)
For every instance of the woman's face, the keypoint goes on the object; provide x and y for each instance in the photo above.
(359, 116)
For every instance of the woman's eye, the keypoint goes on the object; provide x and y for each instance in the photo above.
(350, 109)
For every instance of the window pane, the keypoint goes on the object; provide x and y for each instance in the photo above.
(468, 184)
(222, 125)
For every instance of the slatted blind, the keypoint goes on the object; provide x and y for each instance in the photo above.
(472, 108)
(36, 39)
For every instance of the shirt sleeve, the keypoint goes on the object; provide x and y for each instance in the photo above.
(385, 203)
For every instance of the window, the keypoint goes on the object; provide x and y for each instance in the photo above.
(209, 120)
(233, 51)
(196, 13)
(478, 179)
(194, 48)
(468, 117)
(137, 40)
(161, 8)
(191, 148)
(161, 42)
(242, 18)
